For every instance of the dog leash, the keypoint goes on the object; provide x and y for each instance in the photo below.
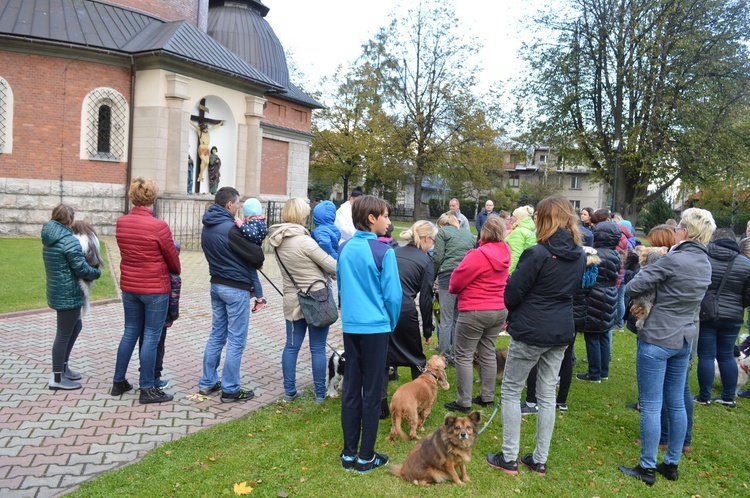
(489, 421)
(270, 282)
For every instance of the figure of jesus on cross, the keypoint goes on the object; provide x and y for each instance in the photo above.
(204, 139)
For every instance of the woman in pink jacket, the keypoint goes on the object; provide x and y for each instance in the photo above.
(479, 281)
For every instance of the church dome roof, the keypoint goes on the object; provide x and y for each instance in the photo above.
(240, 25)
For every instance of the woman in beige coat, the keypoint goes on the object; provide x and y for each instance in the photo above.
(301, 257)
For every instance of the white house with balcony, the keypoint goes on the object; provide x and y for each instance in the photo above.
(573, 182)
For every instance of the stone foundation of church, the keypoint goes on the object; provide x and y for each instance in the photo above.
(25, 205)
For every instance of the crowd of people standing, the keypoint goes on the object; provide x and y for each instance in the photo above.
(542, 273)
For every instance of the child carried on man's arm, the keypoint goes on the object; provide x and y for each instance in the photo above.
(254, 229)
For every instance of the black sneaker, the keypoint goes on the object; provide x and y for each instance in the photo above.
(498, 461)
(745, 393)
(527, 409)
(455, 407)
(154, 395)
(240, 395)
(364, 467)
(699, 401)
(646, 475)
(563, 407)
(119, 388)
(205, 391)
(537, 468)
(347, 462)
(725, 403)
(586, 377)
(478, 401)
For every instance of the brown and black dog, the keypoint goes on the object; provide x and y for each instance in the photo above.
(414, 400)
(435, 458)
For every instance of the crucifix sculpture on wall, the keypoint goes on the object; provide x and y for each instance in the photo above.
(203, 127)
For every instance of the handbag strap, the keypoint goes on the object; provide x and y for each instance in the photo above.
(287, 271)
(325, 275)
(726, 275)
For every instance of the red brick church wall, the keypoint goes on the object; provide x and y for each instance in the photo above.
(274, 167)
(48, 95)
(287, 114)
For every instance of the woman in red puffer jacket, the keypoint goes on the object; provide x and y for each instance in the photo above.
(148, 255)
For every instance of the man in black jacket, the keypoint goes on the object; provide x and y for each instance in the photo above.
(229, 257)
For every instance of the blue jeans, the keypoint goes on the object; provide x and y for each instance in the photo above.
(661, 379)
(716, 341)
(598, 352)
(664, 438)
(231, 317)
(295, 335)
(255, 280)
(620, 310)
(144, 314)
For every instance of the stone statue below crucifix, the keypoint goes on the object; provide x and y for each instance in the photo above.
(203, 128)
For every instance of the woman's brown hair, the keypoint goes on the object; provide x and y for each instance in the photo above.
(661, 236)
(554, 213)
(64, 215)
(143, 191)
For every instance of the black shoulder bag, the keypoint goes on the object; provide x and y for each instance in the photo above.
(710, 305)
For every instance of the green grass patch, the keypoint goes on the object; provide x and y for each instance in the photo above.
(293, 450)
(24, 284)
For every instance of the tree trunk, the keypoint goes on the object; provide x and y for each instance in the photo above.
(417, 197)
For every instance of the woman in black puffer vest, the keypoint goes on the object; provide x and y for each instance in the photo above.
(601, 302)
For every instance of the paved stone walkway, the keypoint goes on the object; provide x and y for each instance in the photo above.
(51, 441)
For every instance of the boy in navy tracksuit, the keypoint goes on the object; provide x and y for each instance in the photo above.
(370, 291)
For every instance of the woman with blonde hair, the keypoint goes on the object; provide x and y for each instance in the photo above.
(415, 271)
(302, 263)
(539, 296)
(451, 245)
(479, 283)
(148, 255)
(679, 280)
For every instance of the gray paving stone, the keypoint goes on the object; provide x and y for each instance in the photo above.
(94, 469)
(116, 438)
(96, 458)
(38, 482)
(25, 441)
(68, 481)
(105, 448)
(41, 424)
(115, 458)
(54, 470)
(48, 432)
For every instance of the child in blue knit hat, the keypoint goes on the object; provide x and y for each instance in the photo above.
(255, 230)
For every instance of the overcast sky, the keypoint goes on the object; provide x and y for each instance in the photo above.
(324, 34)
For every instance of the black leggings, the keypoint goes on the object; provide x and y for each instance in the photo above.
(68, 327)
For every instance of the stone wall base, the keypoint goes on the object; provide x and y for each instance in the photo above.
(25, 205)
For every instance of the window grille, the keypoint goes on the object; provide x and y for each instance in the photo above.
(4, 91)
(106, 112)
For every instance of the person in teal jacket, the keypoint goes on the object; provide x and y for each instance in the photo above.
(370, 299)
(64, 265)
(523, 235)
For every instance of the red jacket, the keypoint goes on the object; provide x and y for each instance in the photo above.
(479, 281)
(147, 253)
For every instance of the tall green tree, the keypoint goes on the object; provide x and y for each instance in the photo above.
(658, 77)
(422, 64)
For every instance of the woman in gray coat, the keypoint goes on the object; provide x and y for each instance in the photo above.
(680, 279)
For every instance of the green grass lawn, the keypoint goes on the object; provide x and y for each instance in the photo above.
(293, 450)
(23, 285)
